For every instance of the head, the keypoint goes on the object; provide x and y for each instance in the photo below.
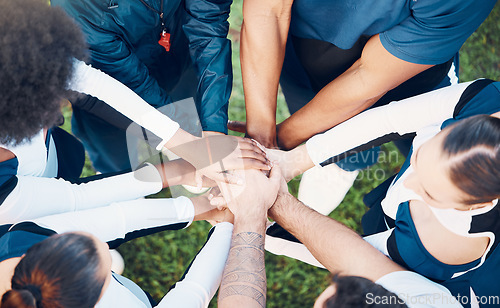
(357, 292)
(67, 270)
(38, 44)
(459, 167)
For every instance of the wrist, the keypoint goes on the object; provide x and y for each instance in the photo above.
(181, 137)
(283, 200)
(262, 131)
(254, 223)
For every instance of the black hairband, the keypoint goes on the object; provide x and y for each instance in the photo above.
(35, 291)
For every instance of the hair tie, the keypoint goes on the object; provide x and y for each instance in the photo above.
(35, 291)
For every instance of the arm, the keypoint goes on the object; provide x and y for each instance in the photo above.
(244, 279)
(35, 197)
(123, 221)
(93, 82)
(372, 127)
(120, 219)
(206, 29)
(367, 80)
(204, 274)
(263, 38)
(337, 247)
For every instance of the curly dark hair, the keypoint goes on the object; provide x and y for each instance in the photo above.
(38, 45)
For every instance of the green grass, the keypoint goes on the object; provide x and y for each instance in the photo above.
(158, 261)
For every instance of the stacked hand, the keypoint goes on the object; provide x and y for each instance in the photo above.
(214, 155)
(253, 199)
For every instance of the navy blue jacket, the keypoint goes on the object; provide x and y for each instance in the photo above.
(123, 40)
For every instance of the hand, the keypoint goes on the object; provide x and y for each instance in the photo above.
(267, 140)
(205, 211)
(180, 172)
(213, 156)
(253, 199)
(292, 163)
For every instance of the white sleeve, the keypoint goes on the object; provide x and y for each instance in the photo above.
(114, 222)
(35, 197)
(203, 278)
(93, 82)
(379, 240)
(402, 117)
(416, 291)
(294, 250)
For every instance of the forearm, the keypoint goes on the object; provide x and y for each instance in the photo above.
(35, 197)
(337, 247)
(121, 221)
(373, 75)
(175, 172)
(244, 279)
(263, 38)
(93, 82)
(378, 125)
(201, 280)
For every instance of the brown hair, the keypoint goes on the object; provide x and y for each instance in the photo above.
(473, 148)
(61, 271)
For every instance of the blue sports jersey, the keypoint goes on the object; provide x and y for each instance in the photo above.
(417, 31)
(405, 247)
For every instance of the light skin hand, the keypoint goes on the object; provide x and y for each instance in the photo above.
(217, 153)
(292, 163)
(180, 172)
(205, 211)
(255, 197)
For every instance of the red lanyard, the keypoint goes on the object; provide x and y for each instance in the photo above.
(165, 36)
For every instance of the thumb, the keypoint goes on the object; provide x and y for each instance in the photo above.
(198, 179)
(275, 175)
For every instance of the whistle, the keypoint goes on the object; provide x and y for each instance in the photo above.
(165, 40)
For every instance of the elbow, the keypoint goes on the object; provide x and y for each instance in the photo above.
(370, 86)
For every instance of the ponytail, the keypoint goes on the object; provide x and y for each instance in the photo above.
(18, 299)
(61, 271)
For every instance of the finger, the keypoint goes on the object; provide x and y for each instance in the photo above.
(219, 202)
(198, 180)
(263, 148)
(245, 164)
(251, 163)
(249, 144)
(254, 155)
(214, 191)
(275, 175)
(228, 178)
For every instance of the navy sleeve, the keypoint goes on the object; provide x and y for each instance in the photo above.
(436, 30)
(206, 28)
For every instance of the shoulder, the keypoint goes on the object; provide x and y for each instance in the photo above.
(415, 289)
(16, 239)
(480, 97)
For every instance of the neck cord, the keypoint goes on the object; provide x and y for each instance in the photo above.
(160, 12)
(165, 36)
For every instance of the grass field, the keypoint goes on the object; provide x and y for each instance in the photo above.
(158, 261)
